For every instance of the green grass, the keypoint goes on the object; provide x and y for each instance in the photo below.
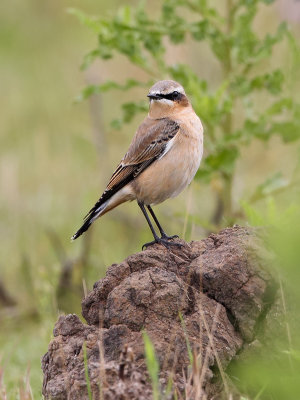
(152, 365)
(22, 345)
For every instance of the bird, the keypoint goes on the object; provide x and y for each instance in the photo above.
(162, 159)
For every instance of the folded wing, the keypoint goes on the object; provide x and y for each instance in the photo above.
(150, 143)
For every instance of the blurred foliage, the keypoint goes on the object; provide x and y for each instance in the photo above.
(271, 370)
(231, 114)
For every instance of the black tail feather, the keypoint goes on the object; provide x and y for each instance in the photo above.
(82, 229)
(90, 218)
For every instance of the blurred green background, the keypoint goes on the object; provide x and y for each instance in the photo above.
(58, 154)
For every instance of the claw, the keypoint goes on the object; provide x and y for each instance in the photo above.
(163, 241)
(165, 236)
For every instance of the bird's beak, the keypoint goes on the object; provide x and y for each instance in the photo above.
(154, 96)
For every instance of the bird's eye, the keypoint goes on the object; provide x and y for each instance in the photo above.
(175, 94)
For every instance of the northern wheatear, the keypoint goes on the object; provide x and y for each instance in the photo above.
(161, 161)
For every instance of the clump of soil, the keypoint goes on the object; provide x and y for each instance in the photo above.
(204, 299)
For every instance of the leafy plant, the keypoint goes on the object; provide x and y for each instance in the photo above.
(243, 106)
(272, 370)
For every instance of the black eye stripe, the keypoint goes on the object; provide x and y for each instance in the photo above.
(171, 96)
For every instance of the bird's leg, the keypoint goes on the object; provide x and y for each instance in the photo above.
(142, 207)
(157, 239)
(162, 232)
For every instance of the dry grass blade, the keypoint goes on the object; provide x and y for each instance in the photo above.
(3, 394)
(84, 287)
(199, 379)
(25, 391)
(102, 375)
(212, 347)
(187, 212)
(193, 386)
(288, 331)
(86, 372)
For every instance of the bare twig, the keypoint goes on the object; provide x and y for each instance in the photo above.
(5, 298)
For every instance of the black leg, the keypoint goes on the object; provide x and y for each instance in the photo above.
(142, 207)
(162, 232)
(163, 240)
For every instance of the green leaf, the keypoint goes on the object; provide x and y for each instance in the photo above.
(253, 216)
(279, 106)
(152, 365)
(200, 29)
(125, 14)
(90, 58)
(272, 82)
(130, 110)
(110, 85)
(223, 160)
(270, 186)
(84, 19)
(289, 131)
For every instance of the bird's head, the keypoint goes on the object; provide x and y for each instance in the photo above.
(167, 98)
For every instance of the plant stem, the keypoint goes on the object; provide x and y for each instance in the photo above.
(227, 64)
(226, 195)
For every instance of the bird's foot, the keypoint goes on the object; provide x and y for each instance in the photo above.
(165, 241)
(165, 236)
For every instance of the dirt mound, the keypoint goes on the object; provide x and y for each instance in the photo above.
(202, 301)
